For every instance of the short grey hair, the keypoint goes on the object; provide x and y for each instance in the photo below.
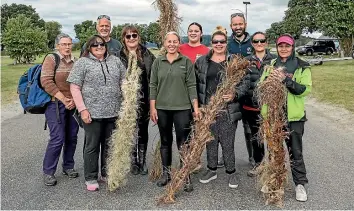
(60, 36)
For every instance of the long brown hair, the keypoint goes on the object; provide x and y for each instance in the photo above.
(132, 29)
(90, 42)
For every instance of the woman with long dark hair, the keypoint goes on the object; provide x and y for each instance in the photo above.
(95, 87)
(194, 48)
(131, 43)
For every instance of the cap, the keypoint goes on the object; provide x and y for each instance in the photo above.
(285, 39)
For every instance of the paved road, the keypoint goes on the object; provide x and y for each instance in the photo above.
(328, 149)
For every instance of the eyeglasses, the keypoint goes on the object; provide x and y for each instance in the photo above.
(104, 16)
(218, 41)
(129, 36)
(237, 14)
(65, 44)
(259, 41)
(95, 45)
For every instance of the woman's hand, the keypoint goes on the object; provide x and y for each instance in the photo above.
(69, 103)
(86, 116)
(153, 115)
(197, 114)
(228, 97)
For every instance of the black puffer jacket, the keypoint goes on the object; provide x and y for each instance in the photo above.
(256, 71)
(233, 108)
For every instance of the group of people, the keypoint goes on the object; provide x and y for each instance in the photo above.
(173, 87)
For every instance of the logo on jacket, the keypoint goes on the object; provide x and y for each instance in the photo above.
(249, 50)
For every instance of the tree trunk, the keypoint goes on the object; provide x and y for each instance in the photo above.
(346, 45)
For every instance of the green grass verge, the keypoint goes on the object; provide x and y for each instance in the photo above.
(10, 74)
(333, 82)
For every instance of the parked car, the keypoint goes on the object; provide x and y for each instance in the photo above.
(317, 46)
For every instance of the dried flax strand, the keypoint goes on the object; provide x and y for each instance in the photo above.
(122, 142)
(273, 172)
(168, 21)
(236, 69)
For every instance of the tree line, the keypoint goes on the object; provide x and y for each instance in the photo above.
(332, 18)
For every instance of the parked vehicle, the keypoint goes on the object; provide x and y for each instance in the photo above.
(317, 46)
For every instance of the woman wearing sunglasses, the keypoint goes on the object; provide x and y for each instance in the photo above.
(296, 76)
(194, 48)
(131, 43)
(95, 87)
(259, 59)
(210, 71)
(173, 93)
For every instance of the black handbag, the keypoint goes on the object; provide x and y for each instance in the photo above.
(77, 118)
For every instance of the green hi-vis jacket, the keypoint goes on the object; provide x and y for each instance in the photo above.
(299, 85)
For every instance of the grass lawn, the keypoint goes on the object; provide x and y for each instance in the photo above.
(10, 74)
(333, 82)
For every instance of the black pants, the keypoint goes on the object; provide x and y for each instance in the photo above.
(224, 133)
(252, 118)
(181, 119)
(97, 134)
(294, 144)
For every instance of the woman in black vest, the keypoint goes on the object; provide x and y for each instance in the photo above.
(210, 72)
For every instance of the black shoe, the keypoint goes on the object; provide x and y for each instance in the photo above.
(165, 178)
(134, 169)
(71, 173)
(49, 180)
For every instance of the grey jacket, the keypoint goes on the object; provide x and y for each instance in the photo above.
(100, 83)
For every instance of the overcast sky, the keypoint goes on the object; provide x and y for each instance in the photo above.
(209, 13)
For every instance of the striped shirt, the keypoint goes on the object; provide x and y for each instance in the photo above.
(47, 75)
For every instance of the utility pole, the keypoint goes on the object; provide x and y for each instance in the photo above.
(246, 3)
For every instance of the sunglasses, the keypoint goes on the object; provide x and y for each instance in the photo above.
(259, 41)
(218, 41)
(95, 45)
(237, 14)
(129, 36)
(104, 16)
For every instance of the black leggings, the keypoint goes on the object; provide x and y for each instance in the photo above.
(181, 119)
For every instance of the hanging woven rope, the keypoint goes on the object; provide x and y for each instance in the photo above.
(168, 21)
(125, 135)
(273, 171)
(235, 71)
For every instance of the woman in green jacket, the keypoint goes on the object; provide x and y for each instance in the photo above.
(173, 94)
(297, 79)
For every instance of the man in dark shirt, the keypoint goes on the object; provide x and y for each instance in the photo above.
(240, 43)
(103, 28)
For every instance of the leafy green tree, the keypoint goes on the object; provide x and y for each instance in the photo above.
(276, 29)
(13, 10)
(52, 29)
(85, 30)
(23, 40)
(153, 33)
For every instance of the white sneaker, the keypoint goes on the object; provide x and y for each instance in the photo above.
(301, 194)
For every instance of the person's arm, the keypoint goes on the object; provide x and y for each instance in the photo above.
(77, 96)
(301, 88)
(153, 80)
(191, 84)
(47, 78)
